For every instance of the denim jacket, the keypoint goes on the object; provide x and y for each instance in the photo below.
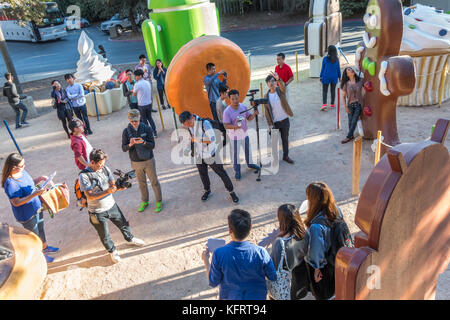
(318, 237)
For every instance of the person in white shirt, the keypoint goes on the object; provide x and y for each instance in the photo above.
(203, 135)
(143, 91)
(278, 111)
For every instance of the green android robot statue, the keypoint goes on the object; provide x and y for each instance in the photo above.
(173, 23)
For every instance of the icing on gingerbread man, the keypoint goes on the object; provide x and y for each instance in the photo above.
(386, 75)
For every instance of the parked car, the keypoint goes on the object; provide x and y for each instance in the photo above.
(71, 24)
(119, 23)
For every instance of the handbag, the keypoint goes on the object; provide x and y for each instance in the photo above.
(281, 288)
(56, 199)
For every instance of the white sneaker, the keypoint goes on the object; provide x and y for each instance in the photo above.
(115, 256)
(137, 242)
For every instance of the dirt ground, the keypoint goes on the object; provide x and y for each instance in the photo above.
(170, 265)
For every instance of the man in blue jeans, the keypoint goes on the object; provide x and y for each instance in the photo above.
(75, 92)
(240, 267)
(143, 91)
(235, 119)
(10, 91)
(212, 82)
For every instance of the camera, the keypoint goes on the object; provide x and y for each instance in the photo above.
(256, 102)
(123, 178)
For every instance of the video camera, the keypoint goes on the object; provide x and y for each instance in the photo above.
(123, 178)
(256, 102)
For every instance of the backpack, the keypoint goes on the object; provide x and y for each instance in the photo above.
(81, 197)
(340, 236)
(216, 126)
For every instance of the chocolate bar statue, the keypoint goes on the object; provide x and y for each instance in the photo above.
(386, 75)
(404, 216)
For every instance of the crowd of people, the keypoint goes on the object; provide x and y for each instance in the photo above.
(299, 247)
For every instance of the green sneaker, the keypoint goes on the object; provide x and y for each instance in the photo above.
(143, 206)
(158, 207)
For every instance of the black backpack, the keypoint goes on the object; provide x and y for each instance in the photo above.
(340, 237)
(216, 126)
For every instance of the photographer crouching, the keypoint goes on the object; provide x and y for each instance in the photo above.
(137, 139)
(98, 185)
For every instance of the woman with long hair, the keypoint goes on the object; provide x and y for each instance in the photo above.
(322, 212)
(352, 92)
(330, 74)
(62, 105)
(159, 73)
(292, 235)
(24, 198)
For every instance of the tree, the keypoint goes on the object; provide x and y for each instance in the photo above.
(130, 8)
(22, 11)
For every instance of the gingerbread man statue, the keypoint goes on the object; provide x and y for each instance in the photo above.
(386, 75)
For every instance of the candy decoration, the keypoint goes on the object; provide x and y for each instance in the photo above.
(407, 11)
(371, 68)
(411, 26)
(368, 86)
(418, 19)
(367, 111)
(442, 32)
(365, 63)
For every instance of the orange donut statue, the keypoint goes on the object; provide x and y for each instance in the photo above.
(184, 80)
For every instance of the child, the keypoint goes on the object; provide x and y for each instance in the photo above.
(329, 76)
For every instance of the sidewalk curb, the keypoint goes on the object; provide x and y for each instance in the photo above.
(114, 40)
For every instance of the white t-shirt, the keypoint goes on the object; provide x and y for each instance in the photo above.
(143, 92)
(88, 147)
(277, 109)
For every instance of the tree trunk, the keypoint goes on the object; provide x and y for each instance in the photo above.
(131, 16)
(8, 62)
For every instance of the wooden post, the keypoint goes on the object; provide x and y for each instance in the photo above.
(160, 114)
(441, 87)
(378, 151)
(356, 168)
(296, 65)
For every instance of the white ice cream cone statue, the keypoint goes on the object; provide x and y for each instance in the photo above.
(91, 67)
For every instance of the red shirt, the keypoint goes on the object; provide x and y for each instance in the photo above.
(79, 149)
(285, 73)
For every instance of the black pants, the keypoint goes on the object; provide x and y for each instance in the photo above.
(355, 111)
(100, 223)
(146, 117)
(325, 92)
(65, 116)
(219, 170)
(134, 105)
(284, 126)
(161, 93)
(81, 113)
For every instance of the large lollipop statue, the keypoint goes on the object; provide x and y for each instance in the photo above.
(386, 75)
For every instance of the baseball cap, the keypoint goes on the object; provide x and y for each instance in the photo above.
(134, 115)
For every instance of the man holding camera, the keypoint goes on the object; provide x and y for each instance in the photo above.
(235, 119)
(212, 82)
(202, 133)
(98, 184)
(137, 140)
(278, 111)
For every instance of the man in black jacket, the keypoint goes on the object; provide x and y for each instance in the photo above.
(10, 91)
(137, 139)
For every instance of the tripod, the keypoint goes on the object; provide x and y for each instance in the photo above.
(255, 102)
